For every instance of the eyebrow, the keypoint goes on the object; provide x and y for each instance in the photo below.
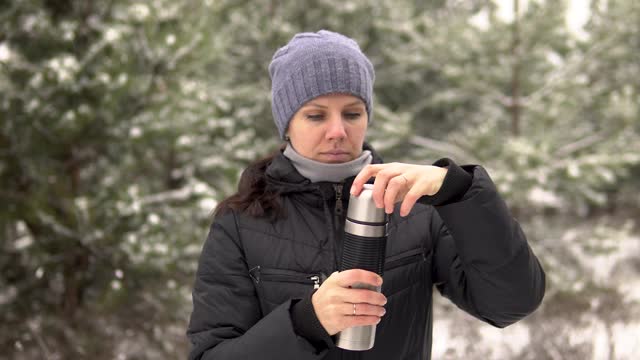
(357, 102)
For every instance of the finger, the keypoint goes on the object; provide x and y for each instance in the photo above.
(381, 183)
(362, 296)
(409, 201)
(348, 278)
(363, 176)
(331, 278)
(362, 309)
(397, 188)
(351, 321)
(379, 188)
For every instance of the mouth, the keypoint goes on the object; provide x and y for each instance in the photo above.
(336, 152)
(336, 156)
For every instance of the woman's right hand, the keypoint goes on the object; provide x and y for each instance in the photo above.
(334, 301)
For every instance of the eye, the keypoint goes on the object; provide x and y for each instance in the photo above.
(315, 117)
(352, 115)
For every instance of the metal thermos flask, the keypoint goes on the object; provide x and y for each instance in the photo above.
(363, 248)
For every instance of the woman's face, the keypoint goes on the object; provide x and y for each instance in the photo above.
(329, 128)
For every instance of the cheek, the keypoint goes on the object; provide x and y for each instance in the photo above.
(307, 141)
(358, 133)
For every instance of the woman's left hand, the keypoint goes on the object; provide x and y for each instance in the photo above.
(397, 182)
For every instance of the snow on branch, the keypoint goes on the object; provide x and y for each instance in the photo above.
(578, 145)
(173, 195)
(57, 227)
(443, 147)
(560, 76)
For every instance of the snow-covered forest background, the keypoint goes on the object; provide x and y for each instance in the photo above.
(123, 123)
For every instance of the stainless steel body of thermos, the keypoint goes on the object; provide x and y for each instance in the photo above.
(363, 248)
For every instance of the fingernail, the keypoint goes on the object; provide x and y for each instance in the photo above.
(384, 311)
(377, 322)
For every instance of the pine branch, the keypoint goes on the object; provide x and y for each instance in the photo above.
(443, 147)
(8, 14)
(163, 197)
(559, 77)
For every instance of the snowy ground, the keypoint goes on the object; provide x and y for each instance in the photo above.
(599, 336)
(509, 343)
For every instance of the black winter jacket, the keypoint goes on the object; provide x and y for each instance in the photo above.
(252, 271)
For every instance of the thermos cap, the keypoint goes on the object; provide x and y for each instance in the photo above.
(362, 208)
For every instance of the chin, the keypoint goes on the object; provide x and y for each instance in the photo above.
(335, 159)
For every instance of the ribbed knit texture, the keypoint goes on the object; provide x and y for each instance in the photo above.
(454, 185)
(319, 171)
(314, 64)
(306, 324)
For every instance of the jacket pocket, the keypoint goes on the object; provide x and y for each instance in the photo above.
(276, 286)
(404, 258)
(404, 270)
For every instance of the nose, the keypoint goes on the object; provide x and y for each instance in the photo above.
(335, 128)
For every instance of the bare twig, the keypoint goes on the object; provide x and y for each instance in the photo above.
(43, 346)
(184, 50)
(57, 228)
(578, 145)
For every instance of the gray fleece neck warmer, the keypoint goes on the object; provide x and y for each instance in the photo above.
(319, 171)
(315, 64)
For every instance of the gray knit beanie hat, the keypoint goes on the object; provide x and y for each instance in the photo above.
(314, 64)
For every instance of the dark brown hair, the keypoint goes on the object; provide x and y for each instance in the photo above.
(253, 197)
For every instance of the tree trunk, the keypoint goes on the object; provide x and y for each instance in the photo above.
(515, 71)
(75, 266)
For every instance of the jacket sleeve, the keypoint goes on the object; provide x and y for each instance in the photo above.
(226, 322)
(482, 261)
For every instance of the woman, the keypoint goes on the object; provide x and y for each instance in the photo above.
(262, 290)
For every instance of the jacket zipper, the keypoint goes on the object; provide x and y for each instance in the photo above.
(413, 256)
(338, 189)
(316, 281)
(258, 275)
(339, 209)
(338, 223)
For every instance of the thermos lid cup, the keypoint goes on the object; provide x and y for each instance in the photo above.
(362, 207)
